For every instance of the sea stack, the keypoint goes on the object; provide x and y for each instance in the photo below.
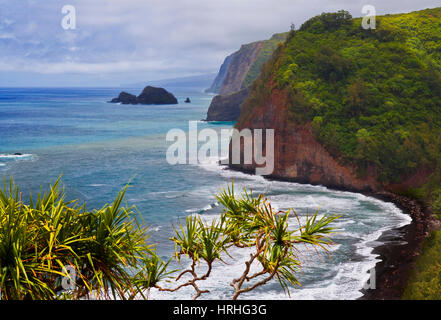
(125, 98)
(152, 95)
(149, 96)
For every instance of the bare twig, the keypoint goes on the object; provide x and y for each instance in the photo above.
(191, 282)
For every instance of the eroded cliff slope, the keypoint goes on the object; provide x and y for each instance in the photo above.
(355, 108)
(236, 75)
(360, 110)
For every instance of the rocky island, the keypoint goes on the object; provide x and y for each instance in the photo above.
(149, 96)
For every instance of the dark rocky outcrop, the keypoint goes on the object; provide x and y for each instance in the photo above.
(226, 108)
(150, 95)
(187, 100)
(125, 98)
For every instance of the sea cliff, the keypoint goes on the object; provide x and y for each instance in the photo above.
(344, 117)
(300, 158)
(236, 75)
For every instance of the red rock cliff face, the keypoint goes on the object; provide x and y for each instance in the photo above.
(299, 157)
(241, 64)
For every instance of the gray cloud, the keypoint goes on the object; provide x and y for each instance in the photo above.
(150, 39)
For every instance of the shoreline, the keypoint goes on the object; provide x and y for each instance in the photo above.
(401, 246)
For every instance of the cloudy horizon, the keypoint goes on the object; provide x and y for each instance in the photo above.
(120, 42)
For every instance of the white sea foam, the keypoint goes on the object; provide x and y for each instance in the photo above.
(363, 221)
(346, 279)
(168, 194)
(204, 209)
(15, 156)
(11, 158)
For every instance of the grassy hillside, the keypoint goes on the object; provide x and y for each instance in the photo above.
(372, 98)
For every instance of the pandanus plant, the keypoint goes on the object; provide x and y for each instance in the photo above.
(248, 222)
(42, 240)
(105, 253)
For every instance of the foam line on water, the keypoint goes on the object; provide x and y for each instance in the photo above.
(363, 222)
(15, 156)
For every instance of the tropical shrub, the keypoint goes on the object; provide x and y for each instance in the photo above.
(249, 222)
(372, 98)
(384, 82)
(49, 241)
(425, 280)
(51, 248)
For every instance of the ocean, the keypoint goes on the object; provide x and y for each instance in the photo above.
(99, 148)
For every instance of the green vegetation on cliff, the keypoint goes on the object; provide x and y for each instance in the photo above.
(425, 282)
(372, 97)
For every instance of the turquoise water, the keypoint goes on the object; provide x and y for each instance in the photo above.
(100, 147)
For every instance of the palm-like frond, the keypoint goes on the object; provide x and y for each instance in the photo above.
(38, 239)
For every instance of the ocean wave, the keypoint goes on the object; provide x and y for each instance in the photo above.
(364, 219)
(16, 156)
(204, 209)
(168, 194)
(341, 281)
(8, 159)
(3, 155)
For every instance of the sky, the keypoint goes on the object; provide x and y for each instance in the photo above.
(116, 42)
